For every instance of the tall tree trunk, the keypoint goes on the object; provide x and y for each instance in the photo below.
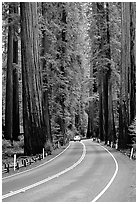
(90, 121)
(62, 51)
(102, 75)
(101, 121)
(9, 81)
(90, 130)
(132, 61)
(105, 105)
(47, 116)
(45, 49)
(105, 91)
(34, 129)
(121, 119)
(16, 124)
(124, 72)
(114, 130)
(111, 124)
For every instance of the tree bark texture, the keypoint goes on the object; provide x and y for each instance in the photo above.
(90, 130)
(132, 61)
(16, 121)
(101, 120)
(102, 74)
(127, 73)
(105, 74)
(9, 82)
(62, 50)
(46, 113)
(122, 130)
(111, 125)
(34, 129)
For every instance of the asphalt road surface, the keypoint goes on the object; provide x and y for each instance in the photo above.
(84, 172)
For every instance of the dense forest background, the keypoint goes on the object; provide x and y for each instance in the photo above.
(68, 68)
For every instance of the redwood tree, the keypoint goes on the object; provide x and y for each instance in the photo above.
(45, 50)
(16, 121)
(132, 61)
(9, 80)
(34, 128)
(127, 72)
(102, 72)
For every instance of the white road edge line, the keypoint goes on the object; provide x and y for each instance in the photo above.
(38, 165)
(111, 180)
(49, 178)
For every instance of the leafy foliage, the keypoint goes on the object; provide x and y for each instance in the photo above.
(77, 63)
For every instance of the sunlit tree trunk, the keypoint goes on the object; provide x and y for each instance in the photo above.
(90, 113)
(90, 130)
(62, 50)
(102, 76)
(101, 120)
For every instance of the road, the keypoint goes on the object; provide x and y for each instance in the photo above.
(84, 172)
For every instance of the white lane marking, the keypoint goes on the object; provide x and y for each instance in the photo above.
(49, 178)
(111, 180)
(38, 165)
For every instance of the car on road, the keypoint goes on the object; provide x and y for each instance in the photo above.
(77, 138)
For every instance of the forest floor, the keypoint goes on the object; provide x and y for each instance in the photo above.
(8, 152)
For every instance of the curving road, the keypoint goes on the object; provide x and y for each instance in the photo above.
(84, 172)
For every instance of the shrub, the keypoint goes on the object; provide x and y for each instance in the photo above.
(48, 147)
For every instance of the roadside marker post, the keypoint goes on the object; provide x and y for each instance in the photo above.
(43, 153)
(131, 154)
(14, 167)
(116, 146)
